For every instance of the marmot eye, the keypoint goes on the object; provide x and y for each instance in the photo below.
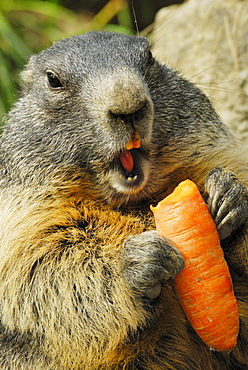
(54, 81)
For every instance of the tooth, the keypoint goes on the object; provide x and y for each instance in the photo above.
(129, 145)
(132, 178)
(134, 142)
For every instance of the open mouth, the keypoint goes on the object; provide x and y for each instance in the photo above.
(128, 164)
(130, 169)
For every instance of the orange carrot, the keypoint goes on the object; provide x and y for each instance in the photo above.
(204, 286)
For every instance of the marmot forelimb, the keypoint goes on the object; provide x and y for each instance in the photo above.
(102, 131)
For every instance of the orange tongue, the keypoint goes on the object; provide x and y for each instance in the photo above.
(126, 159)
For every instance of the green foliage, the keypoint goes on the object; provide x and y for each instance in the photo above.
(27, 26)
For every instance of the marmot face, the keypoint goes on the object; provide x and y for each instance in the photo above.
(101, 104)
(94, 109)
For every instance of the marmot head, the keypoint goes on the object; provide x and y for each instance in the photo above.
(101, 103)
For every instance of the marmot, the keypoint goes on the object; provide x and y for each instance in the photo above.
(101, 131)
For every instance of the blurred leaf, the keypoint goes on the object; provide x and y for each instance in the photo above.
(107, 13)
(9, 39)
(124, 18)
(46, 8)
(118, 28)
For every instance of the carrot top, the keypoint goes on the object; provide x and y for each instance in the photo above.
(185, 189)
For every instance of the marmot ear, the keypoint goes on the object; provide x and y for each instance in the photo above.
(27, 75)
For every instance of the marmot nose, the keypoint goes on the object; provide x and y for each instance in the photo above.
(121, 101)
(129, 101)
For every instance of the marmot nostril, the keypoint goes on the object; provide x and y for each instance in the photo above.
(129, 118)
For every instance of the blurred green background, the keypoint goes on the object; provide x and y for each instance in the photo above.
(27, 26)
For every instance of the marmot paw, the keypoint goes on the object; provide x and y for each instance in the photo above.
(227, 201)
(148, 259)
